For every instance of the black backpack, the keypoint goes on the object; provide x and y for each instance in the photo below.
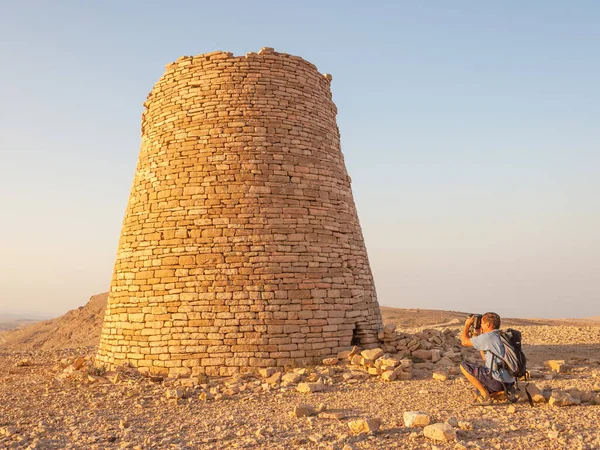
(515, 362)
(514, 358)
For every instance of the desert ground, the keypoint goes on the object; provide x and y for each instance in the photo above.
(52, 396)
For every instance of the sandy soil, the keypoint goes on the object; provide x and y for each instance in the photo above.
(46, 404)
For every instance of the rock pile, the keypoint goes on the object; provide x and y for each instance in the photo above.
(402, 354)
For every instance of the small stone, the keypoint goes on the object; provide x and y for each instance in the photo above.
(413, 419)
(267, 372)
(205, 396)
(274, 378)
(175, 393)
(330, 361)
(372, 354)
(452, 421)
(123, 423)
(374, 371)
(403, 375)
(389, 329)
(97, 379)
(558, 366)
(440, 375)
(364, 425)
(422, 354)
(303, 411)
(562, 398)
(292, 377)
(536, 394)
(309, 388)
(367, 362)
(440, 432)
(553, 434)
(445, 362)
(344, 354)
(511, 409)
(78, 363)
(388, 375)
(389, 362)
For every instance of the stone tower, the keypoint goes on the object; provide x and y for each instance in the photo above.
(241, 246)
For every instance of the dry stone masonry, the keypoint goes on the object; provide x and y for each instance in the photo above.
(241, 246)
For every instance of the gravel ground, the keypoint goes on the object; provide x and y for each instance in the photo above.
(42, 405)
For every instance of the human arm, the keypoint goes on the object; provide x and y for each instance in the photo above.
(465, 340)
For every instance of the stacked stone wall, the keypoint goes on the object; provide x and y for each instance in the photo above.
(241, 246)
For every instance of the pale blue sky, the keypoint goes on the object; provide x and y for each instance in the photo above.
(470, 130)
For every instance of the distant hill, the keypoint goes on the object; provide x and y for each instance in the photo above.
(79, 327)
(10, 323)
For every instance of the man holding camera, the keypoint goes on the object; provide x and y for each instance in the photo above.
(492, 378)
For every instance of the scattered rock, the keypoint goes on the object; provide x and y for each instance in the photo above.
(309, 388)
(389, 375)
(372, 354)
(205, 396)
(558, 366)
(536, 394)
(440, 432)
(274, 379)
(291, 377)
(330, 361)
(441, 375)
(414, 419)
(562, 398)
(78, 363)
(452, 421)
(364, 425)
(175, 393)
(422, 354)
(267, 372)
(304, 411)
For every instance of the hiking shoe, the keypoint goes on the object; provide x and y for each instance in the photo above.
(481, 400)
(499, 397)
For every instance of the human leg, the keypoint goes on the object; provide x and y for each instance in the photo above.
(468, 370)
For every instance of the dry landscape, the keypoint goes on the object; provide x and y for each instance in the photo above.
(53, 396)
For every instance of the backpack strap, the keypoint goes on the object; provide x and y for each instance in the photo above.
(528, 396)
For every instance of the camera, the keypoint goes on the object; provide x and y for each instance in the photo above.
(475, 328)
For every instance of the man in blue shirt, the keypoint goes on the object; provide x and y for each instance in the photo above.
(492, 377)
